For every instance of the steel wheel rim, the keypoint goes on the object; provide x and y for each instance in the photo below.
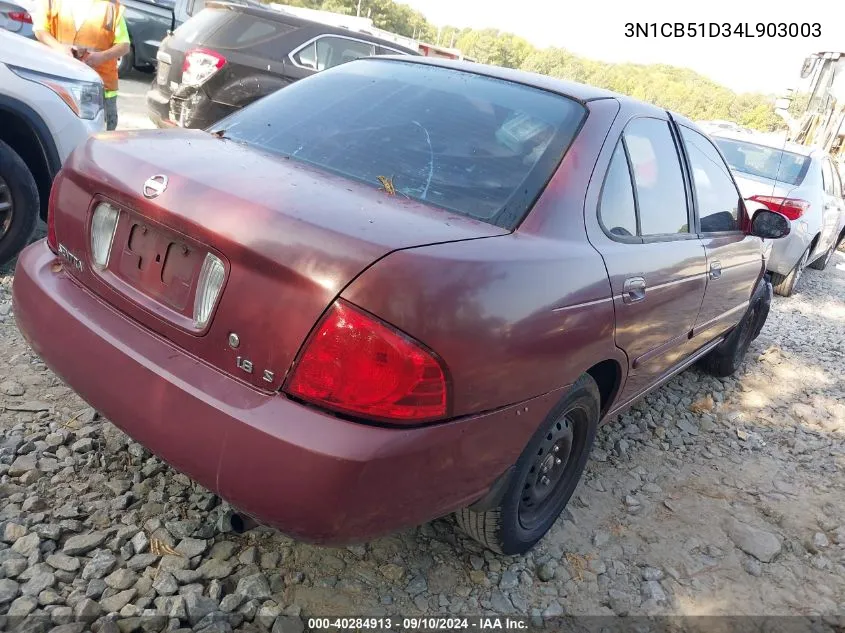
(7, 208)
(556, 461)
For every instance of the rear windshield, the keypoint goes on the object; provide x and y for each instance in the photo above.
(471, 144)
(764, 162)
(203, 24)
(233, 30)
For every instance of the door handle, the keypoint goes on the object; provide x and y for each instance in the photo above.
(715, 270)
(633, 290)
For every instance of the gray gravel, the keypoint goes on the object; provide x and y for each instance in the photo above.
(736, 507)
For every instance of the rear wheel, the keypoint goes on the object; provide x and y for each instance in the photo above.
(785, 285)
(544, 478)
(822, 262)
(729, 354)
(19, 204)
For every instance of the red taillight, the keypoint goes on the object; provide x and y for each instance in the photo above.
(199, 65)
(792, 208)
(356, 364)
(20, 16)
(52, 240)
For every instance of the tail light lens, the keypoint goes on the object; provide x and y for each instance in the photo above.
(103, 225)
(20, 16)
(356, 364)
(792, 208)
(200, 65)
(209, 285)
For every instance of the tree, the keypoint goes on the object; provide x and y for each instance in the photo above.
(679, 89)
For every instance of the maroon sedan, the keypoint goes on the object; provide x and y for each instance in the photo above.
(394, 290)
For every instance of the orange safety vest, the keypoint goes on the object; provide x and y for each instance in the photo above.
(97, 32)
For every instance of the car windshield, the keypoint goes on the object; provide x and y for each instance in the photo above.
(764, 162)
(474, 145)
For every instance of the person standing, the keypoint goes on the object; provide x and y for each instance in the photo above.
(93, 31)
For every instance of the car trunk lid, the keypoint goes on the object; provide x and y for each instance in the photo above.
(290, 238)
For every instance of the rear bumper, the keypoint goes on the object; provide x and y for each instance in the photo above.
(190, 108)
(311, 475)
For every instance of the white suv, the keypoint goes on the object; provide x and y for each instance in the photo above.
(49, 103)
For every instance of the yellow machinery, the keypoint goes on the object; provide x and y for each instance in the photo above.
(821, 120)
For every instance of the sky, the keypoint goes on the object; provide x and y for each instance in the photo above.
(596, 29)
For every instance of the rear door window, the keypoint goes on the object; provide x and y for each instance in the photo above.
(203, 25)
(661, 195)
(246, 30)
(328, 51)
(827, 177)
(471, 144)
(617, 209)
(307, 56)
(383, 50)
(716, 194)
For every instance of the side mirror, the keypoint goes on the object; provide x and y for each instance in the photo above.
(770, 225)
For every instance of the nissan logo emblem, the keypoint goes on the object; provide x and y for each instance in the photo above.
(154, 186)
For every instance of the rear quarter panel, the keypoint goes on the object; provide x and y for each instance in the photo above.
(513, 316)
(788, 250)
(812, 190)
(254, 71)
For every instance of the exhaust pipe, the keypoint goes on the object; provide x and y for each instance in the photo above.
(235, 523)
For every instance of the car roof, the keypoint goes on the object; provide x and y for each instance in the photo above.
(575, 90)
(765, 141)
(259, 11)
(571, 89)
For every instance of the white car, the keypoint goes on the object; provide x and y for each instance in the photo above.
(800, 182)
(16, 16)
(49, 103)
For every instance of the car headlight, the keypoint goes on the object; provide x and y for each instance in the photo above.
(85, 98)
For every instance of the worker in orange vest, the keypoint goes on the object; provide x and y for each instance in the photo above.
(93, 31)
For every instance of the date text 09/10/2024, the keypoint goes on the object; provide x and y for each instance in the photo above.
(418, 624)
(723, 29)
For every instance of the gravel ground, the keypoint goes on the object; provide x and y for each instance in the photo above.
(710, 497)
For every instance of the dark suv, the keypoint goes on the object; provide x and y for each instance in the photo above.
(228, 56)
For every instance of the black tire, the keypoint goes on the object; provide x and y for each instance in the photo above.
(730, 353)
(126, 63)
(529, 507)
(822, 262)
(19, 204)
(784, 285)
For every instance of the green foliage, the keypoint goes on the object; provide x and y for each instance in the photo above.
(489, 46)
(798, 106)
(386, 14)
(678, 89)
